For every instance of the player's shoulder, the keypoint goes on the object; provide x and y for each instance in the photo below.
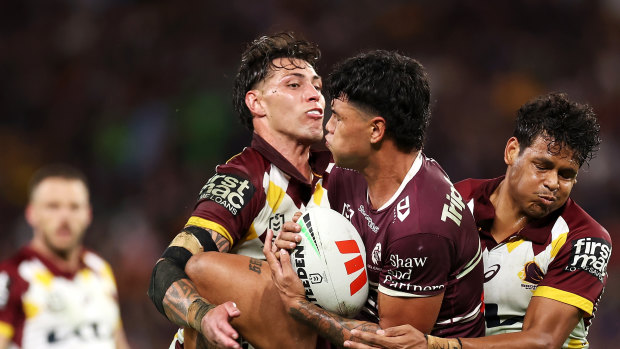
(249, 161)
(580, 223)
(469, 186)
(11, 264)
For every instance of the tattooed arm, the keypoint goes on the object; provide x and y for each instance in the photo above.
(331, 326)
(176, 296)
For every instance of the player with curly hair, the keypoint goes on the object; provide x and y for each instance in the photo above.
(277, 94)
(545, 258)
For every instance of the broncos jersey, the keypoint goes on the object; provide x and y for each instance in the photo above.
(42, 307)
(562, 257)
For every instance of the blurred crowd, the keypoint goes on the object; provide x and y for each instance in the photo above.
(137, 94)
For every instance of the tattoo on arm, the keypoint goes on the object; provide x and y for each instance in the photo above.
(222, 243)
(335, 328)
(255, 265)
(177, 300)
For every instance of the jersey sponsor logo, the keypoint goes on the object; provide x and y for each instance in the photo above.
(491, 272)
(410, 262)
(531, 275)
(371, 224)
(402, 209)
(590, 255)
(5, 291)
(85, 332)
(353, 265)
(232, 192)
(453, 209)
(376, 254)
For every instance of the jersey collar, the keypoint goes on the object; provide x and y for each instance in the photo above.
(319, 159)
(537, 231)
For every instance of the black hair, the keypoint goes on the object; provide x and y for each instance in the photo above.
(55, 171)
(257, 61)
(391, 85)
(562, 122)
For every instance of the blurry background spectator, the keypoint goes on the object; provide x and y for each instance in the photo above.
(137, 94)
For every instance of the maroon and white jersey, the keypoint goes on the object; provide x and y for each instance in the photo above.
(44, 308)
(257, 190)
(562, 257)
(420, 243)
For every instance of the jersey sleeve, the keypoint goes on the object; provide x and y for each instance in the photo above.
(578, 273)
(10, 302)
(416, 266)
(228, 203)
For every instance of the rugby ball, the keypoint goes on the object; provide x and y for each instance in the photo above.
(330, 261)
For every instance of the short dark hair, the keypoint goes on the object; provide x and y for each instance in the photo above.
(563, 122)
(390, 84)
(55, 171)
(257, 62)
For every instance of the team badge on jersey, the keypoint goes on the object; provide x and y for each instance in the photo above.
(376, 254)
(232, 192)
(590, 255)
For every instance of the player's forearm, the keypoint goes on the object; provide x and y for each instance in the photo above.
(515, 340)
(333, 327)
(178, 302)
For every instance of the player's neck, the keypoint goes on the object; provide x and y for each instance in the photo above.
(295, 152)
(508, 217)
(67, 262)
(385, 172)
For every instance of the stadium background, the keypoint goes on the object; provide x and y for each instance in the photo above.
(137, 93)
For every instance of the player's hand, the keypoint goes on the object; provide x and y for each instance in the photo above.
(399, 337)
(289, 236)
(284, 277)
(216, 326)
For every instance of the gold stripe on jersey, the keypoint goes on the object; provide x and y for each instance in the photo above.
(576, 344)
(30, 310)
(207, 224)
(564, 297)
(6, 330)
(44, 277)
(275, 195)
(187, 241)
(514, 244)
(318, 194)
(251, 234)
(557, 244)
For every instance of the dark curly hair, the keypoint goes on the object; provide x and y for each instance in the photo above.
(257, 63)
(388, 84)
(563, 122)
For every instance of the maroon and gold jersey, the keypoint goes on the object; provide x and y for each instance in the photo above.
(562, 257)
(257, 190)
(420, 243)
(42, 307)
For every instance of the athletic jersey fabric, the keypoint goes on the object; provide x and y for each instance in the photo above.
(420, 243)
(562, 257)
(42, 307)
(257, 190)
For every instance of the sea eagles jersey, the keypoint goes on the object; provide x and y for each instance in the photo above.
(422, 242)
(42, 307)
(562, 257)
(257, 190)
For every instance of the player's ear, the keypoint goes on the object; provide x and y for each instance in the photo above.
(511, 153)
(377, 131)
(29, 214)
(253, 101)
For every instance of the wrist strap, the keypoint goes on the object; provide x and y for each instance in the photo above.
(196, 311)
(438, 342)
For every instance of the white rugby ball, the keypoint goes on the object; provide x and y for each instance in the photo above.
(330, 260)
